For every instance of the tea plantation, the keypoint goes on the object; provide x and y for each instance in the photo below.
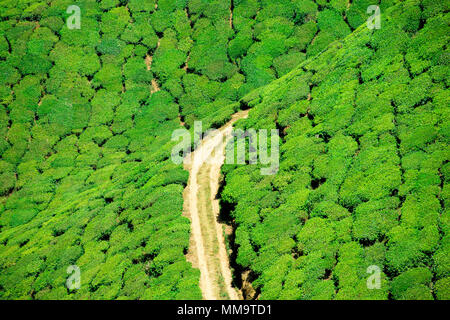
(86, 118)
(364, 176)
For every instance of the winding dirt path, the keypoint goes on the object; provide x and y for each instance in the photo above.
(207, 246)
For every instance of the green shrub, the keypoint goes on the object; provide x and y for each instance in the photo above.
(109, 77)
(114, 21)
(285, 63)
(412, 284)
(441, 289)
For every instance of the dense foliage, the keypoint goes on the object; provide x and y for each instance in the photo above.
(364, 172)
(86, 177)
(84, 131)
(86, 118)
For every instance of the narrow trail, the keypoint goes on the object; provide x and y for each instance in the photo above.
(207, 249)
(231, 14)
(148, 63)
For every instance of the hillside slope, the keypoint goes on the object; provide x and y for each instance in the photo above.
(86, 117)
(85, 170)
(364, 173)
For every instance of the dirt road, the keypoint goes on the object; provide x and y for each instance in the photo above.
(207, 248)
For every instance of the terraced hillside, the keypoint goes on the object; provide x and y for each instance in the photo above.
(364, 172)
